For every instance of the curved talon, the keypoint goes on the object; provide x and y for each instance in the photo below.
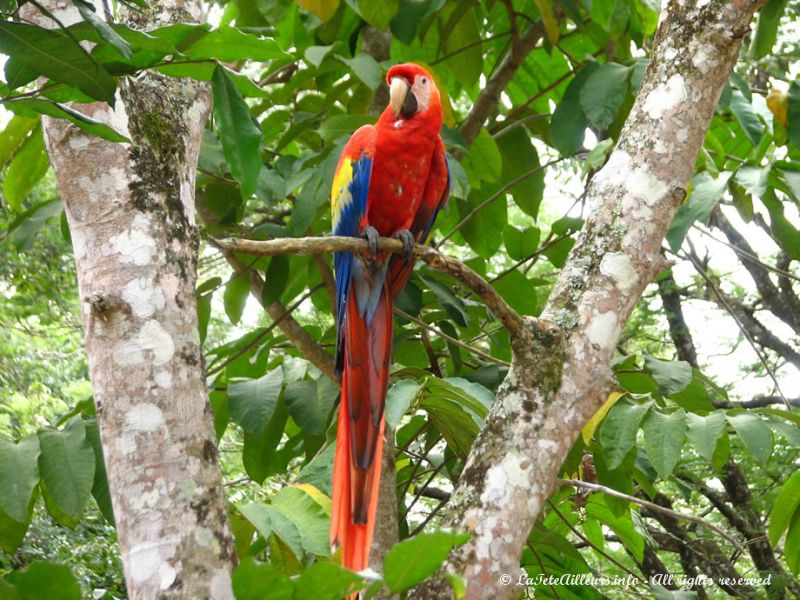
(405, 236)
(372, 235)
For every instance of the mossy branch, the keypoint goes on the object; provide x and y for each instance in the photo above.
(510, 319)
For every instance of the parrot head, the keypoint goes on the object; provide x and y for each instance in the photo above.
(412, 93)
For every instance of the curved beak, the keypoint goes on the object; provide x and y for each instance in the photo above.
(401, 99)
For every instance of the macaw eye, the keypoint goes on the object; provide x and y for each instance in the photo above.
(424, 80)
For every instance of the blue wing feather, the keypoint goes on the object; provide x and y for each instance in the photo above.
(348, 205)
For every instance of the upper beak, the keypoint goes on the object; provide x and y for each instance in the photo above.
(397, 94)
(401, 99)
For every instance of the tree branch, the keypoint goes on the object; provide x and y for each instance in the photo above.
(314, 245)
(596, 487)
(490, 95)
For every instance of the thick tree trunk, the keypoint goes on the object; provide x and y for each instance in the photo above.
(560, 371)
(131, 214)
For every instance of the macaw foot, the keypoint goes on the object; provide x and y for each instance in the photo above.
(405, 236)
(371, 234)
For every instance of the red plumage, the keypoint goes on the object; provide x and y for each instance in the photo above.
(392, 177)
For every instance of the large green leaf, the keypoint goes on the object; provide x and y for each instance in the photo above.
(704, 432)
(568, 123)
(258, 454)
(268, 520)
(15, 132)
(327, 581)
(252, 401)
(705, 193)
(240, 135)
(618, 431)
(378, 12)
(602, 95)
(520, 243)
(235, 296)
(30, 107)
(622, 525)
(414, 559)
(89, 14)
(671, 376)
(464, 56)
(793, 111)
(485, 156)
(19, 475)
(57, 56)
(755, 435)
(521, 163)
(747, 117)
(664, 434)
(67, 465)
(28, 166)
(769, 18)
(308, 517)
(311, 402)
(229, 44)
(337, 126)
(45, 580)
(449, 301)
(260, 581)
(100, 490)
(784, 508)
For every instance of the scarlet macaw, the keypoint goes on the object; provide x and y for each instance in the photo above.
(391, 180)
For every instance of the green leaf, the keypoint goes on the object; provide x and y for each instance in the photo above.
(258, 455)
(34, 106)
(664, 435)
(235, 296)
(484, 229)
(769, 18)
(57, 56)
(521, 163)
(415, 559)
(791, 549)
(19, 474)
(28, 166)
(784, 508)
(519, 292)
(310, 403)
(784, 231)
(14, 134)
(454, 423)
(568, 123)
(520, 243)
(319, 471)
(366, 69)
(602, 95)
(316, 54)
(485, 156)
(747, 117)
(622, 525)
(618, 431)
(705, 193)
(755, 435)
(252, 401)
(327, 581)
(240, 135)
(229, 44)
(67, 466)
(464, 55)
(276, 279)
(753, 179)
(45, 580)
(793, 122)
(449, 301)
(670, 375)
(378, 12)
(557, 253)
(260, 581)
(268, 520)
(398, 399)
(89, 14)
(338, 126)
(100, 491)
(704, 432)
(308, 517)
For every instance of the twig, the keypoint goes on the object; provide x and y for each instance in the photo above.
(650, 505)
(315, 245)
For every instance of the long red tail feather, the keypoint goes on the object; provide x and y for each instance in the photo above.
(359, 441)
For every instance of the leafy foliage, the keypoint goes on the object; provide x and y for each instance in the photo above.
(290, 81)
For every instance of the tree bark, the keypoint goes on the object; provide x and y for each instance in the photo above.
(131, 214)
(560, 376)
